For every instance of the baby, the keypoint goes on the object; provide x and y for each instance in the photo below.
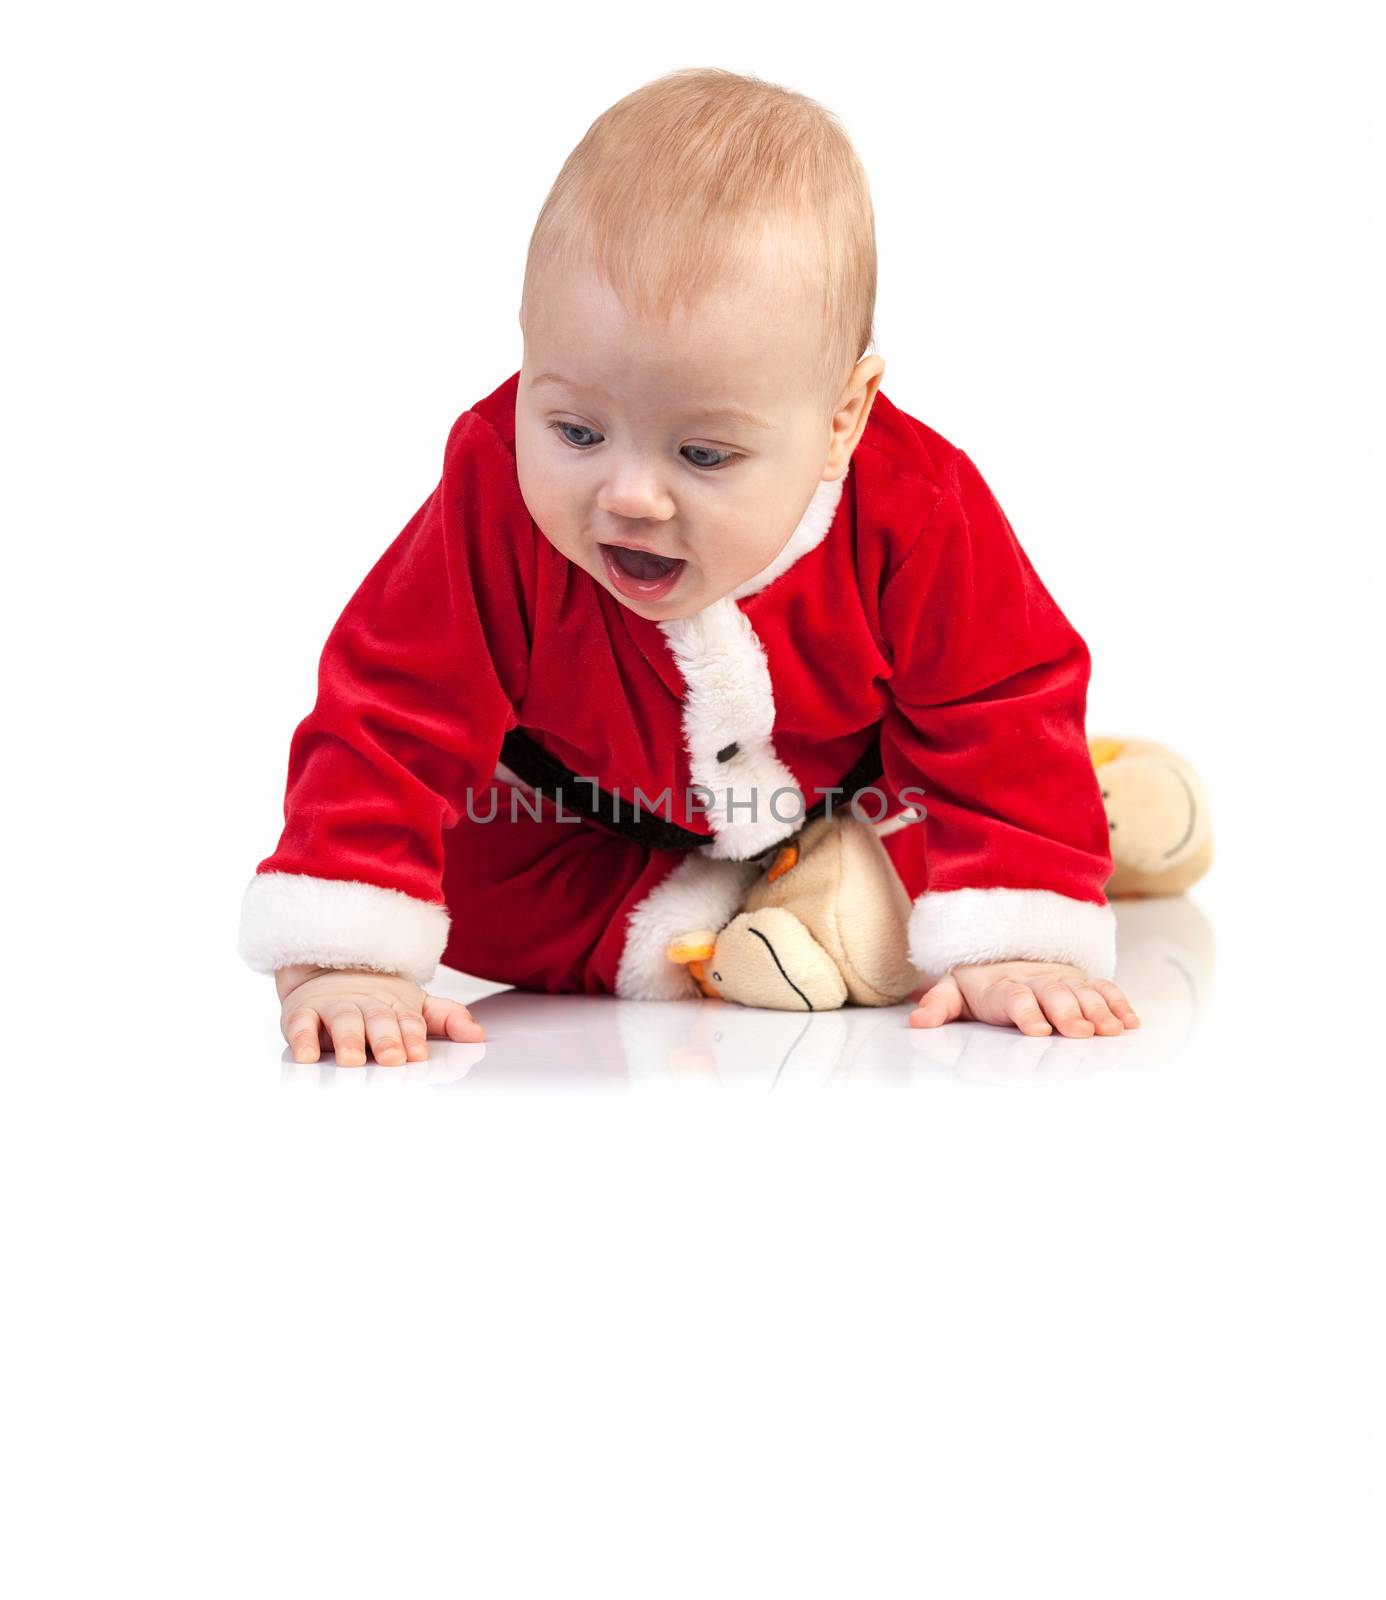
(688, 579)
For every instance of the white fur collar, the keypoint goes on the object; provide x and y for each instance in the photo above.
(729, 704)
(728, 715)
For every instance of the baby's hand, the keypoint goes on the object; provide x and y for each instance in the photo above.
(1015, 991)
(345, 1008)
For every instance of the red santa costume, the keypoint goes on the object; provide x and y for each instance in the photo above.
(900, 643)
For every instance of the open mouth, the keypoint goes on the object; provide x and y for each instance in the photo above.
(639, 574)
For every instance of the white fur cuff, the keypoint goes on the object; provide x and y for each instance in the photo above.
(700, 892)
(955, 927)
(289, 919)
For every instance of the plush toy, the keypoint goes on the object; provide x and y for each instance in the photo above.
(1161, 831)
(824, 926)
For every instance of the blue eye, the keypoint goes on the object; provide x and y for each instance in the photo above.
(725, 456)
(707, 450)
(575, 427)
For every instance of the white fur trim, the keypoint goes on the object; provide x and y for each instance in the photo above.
(700, 892)
(728, 700)
(813, 527)
(956, 927)
(289, 919)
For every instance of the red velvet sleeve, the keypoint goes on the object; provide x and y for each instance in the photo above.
(416, 687)
(987, 717)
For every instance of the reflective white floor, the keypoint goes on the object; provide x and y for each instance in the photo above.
(1165, 951)
(1015, 1316)
(1166, 954)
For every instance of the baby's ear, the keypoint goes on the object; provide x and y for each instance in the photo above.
(695, 946)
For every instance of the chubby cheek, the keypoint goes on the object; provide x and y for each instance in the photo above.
(550, 502)
(739, 555)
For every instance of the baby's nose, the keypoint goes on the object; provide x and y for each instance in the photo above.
(636, 497)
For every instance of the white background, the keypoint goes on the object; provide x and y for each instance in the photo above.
(1092, 1327)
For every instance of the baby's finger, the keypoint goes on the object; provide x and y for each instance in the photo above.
(1018, 1003)
(450, 1019)
(414, 1031)
(1062, 1008)
(1117, 1000)
(1096, 1009)
(942, 1003)
(348, 1029)
(382, 1029)
(301, 1031)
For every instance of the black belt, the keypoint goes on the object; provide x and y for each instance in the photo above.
(543, 772)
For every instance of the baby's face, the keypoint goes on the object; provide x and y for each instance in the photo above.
(631, 459)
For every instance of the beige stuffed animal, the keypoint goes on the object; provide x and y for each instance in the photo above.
(1161, 830)
(824, 926)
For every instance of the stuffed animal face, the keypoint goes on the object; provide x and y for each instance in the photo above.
(826, 925)
(1157, 814)
(764, 958)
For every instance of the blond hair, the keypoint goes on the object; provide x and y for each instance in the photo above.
(679, 185)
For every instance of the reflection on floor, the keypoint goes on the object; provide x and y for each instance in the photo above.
(1164, 964)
